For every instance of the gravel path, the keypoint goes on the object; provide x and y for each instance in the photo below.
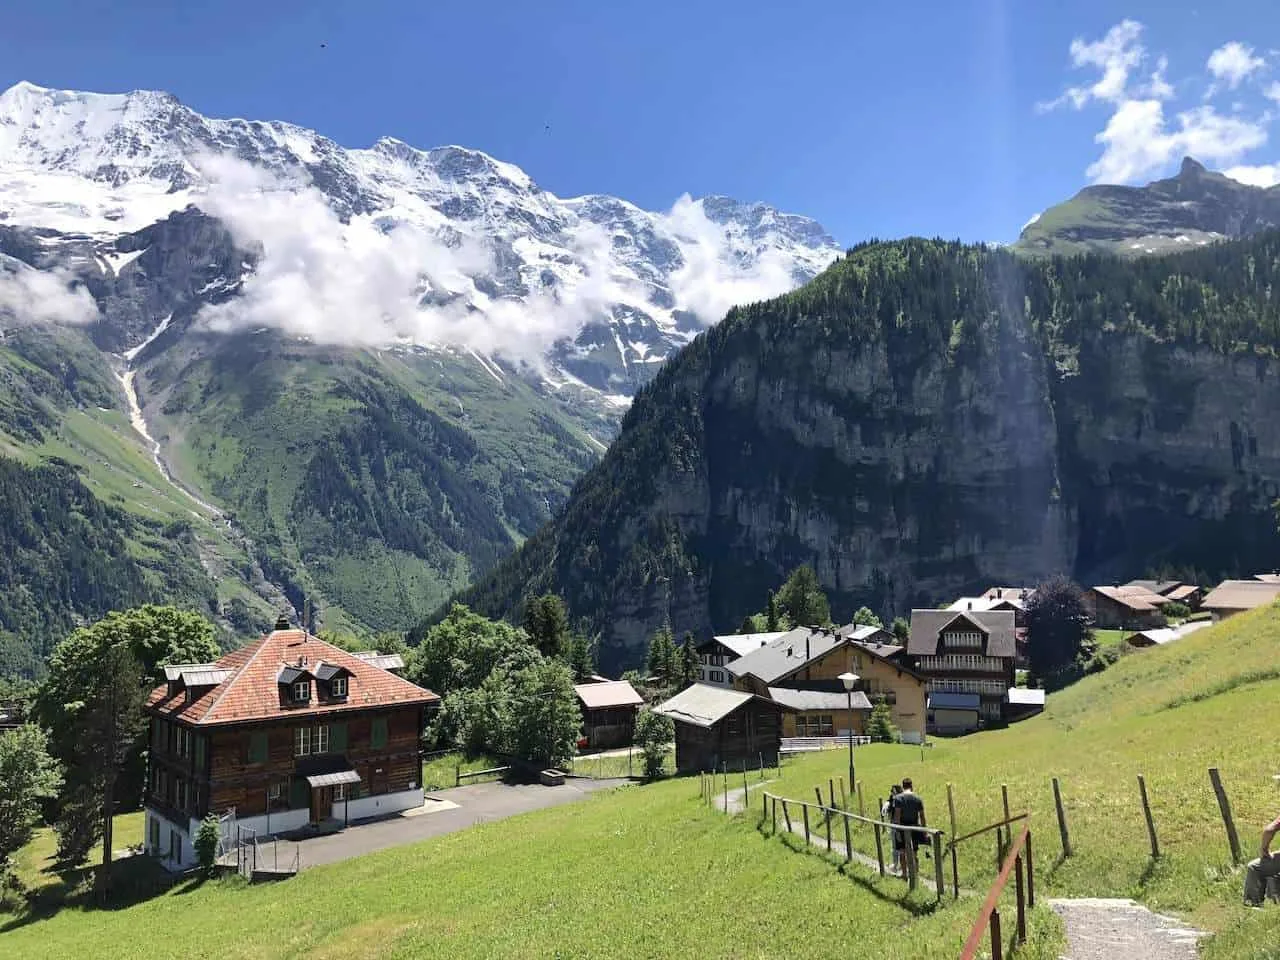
(1123, 930)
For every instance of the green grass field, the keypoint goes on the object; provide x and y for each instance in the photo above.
(643, 871)
(1169, 713)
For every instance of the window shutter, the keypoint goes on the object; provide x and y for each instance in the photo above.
(378, 736)
(258, 747)
(337, 738)
(299, 793)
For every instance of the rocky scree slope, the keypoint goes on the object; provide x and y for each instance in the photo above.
(925, 419)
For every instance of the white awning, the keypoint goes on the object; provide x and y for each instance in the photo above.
(333, 779)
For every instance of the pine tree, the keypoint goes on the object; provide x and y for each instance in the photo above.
(880, 724)
(771, 613)
(690, 661)
(802, 600)
(662, 652)
(546, 623)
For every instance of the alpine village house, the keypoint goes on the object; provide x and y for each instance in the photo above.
(284, 732)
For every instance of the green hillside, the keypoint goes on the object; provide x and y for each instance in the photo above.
(1168, 713)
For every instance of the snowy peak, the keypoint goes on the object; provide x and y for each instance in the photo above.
(445, 247)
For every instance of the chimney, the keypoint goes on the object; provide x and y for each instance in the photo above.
(806, 648)
(999, 592)
(970, 604)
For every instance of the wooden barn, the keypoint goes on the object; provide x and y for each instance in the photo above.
(286, 732)
(608, 713)
(716, 726)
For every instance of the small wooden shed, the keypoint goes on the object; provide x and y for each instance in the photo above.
(716, 727)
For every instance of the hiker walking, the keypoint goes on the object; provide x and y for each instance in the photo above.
(1264, 868)
(895, 836)
(908, 810)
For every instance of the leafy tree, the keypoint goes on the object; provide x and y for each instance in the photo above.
(546, 722)
(802, 601)
(461, 650)
(28, 776)
(148, 638)
(391, 641)
(901, 630)
(206, 844)
(865, 617)
(1058, 633)
(547, 624)
(343, 641)
(755, 623)
(880, 724)
(92, 702)
(772, 616)
(579, 654)
(1176, 610)
(654, 733)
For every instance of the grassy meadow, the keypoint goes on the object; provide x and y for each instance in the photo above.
(1168, 713)
(642, 871)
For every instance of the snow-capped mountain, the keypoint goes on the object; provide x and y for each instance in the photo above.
(435, 248)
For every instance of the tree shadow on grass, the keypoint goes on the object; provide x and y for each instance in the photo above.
(133, 880)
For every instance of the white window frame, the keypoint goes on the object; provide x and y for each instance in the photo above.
(301, 741)
(340, 792)
(320, 739)
(338, 686)
(275, 791)
(301, 691)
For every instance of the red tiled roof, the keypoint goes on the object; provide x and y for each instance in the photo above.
(253, 693)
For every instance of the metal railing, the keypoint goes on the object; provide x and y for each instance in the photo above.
(803, 744)
(988, 921)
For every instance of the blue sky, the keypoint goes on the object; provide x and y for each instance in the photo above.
(959, 118)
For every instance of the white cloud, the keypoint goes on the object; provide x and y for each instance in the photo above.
(28, 295)
(1265, 175)
(1116, 55)
(1233, 62)
(1139, 139)
(1273, 91)
(712, 280)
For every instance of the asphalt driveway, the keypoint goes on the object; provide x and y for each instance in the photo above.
(445, 811)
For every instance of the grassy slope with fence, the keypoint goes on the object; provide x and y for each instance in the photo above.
(642, 871)
(1168, 713)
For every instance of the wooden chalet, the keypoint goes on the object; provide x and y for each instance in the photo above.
(608, 713)
(716, 727)
(715, 655)
(968, 659)
(1124, 608)
(284, 732)
(801, 672)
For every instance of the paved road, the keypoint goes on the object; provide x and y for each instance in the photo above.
(475, 803)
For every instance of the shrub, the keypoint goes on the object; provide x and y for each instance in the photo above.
(206, 844)
(1176, 611)
(880, 724)
(653, 733)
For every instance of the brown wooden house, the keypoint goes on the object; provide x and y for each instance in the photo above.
(608, 713)
(717, 727)
(284, 732)
(1124, 608)
(967, 653)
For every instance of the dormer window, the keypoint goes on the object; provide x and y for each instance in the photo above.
(301, 691)
(338, 687)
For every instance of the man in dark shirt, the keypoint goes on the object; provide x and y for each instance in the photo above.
(908, 810)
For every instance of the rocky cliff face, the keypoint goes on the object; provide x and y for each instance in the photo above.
(921, 421)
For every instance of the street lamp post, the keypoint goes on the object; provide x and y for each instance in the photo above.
(850, 680)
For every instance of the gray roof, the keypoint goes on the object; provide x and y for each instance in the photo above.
(175, 670)
(290, 674)
(607, 693)
(205, 677)
(864, 633)
(1161, 587)
(703, 705)
(1241, 595)
(927, 625)
(817, 699)
(744, 643)
(327, 671)
(333, 779)
(954, 701)
(384, 661)
(787, 653)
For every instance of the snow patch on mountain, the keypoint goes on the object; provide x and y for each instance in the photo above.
(392, 244)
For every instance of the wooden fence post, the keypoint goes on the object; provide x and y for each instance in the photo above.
(1020, 930)
(844, 802)
(1146, 812)
(745, 802)
(804, 807)
(1225, 807)
(879, 848)
(775, 814)
(1062, 820)
(786, 815)
(1004, 799)
(955, 864)
(913, 866)
(939, 881)
(997, 944)
(848, 844)
(831, 793)
(862, 811)
(1031, 874)
(762, 766)
(828, 830)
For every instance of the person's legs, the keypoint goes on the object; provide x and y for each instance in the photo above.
(1256, 876)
